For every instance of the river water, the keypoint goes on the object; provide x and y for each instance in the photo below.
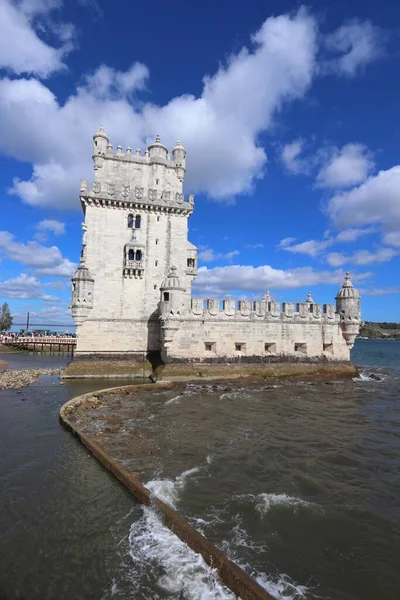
(298, 483)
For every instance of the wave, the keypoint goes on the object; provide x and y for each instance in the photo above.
(169, 490)
(177, 568)
(264, 502)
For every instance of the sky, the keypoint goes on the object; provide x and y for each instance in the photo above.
(289, 114)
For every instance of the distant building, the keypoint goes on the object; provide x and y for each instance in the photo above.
(132, 290)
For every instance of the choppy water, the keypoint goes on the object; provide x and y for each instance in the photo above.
(299, 483)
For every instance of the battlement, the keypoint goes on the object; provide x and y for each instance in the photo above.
(245, 310)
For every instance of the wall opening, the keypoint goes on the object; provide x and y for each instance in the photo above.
(131, 254)
(328, 347)
(166, 296)
(138, 255)
(158, 218)
(138, 221)
(240, 347)
(270, 347)
(300, 347)
(191, 263)
(156, 263)
(210, 346)
(130, 221)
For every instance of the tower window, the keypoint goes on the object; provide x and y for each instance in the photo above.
(130, 221)
(158, 218)
(138, 255)
(157, 180)
(155, 287)
(131, 255)
(156, 242)
(138, 220)
(166, 296)
(156, 263)
(191, 263)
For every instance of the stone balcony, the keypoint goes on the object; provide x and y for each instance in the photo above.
(134, 264)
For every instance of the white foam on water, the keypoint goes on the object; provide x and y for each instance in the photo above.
(264, 502)
(167, 490)
(183, 571)
(209, 459)
(282, 587)
(172, 400)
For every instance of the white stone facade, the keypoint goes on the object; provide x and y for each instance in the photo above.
(132, 290)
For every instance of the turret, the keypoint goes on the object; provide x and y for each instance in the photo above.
(100, 145)
(348, 307)
(172, 309)
(157, 149)
(179, 158)
(82, 294)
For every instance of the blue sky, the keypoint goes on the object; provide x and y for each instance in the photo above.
(288, 112)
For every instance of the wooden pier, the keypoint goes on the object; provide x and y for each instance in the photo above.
(45, 344)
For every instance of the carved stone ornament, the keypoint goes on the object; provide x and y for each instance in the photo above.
(191, 199)
(259, 308)
(97, 187)
(125, 190)
(288, 309)
(244, 307)
(304, 310)
(166, 196)
(229, 307)
(139, 193)
(83, 185)
(178, 198)
(152, 195)
(197, 306)
(330, 311)
(317, 311)
(111, 189)
(275, 309)
(213, 306)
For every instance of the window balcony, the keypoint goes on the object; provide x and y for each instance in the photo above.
(134, 264)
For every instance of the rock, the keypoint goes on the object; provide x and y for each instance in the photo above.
(375, 377)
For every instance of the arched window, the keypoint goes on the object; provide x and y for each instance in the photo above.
(138, 255)
(131, 254)
(130, 221)
(138, 220)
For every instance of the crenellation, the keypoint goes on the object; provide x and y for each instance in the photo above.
(132, 290)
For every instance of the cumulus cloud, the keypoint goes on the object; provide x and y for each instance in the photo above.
(207, 254)
(375, 202)
(315, 248)
(52, 225)
(21, 48)
(43, 259)
(23, 286)
(220, 127)
(346, 167)
(356, 44)
(56, 315)
(361, 257)
(220, 280)
(293, 162)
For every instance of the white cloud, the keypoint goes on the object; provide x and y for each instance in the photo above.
(375, 202)
(392, 238)
(254, 246)
(357, 44)
(23, 286)
(21, 49)
(346, 167)
(379, 291)
(56, 227)
(220, 128)
(220, 280)
(361, 257)
(310, 247)
(50, 315)
(286, 242)
(314, 248)
(209, 255)
(45, 260)
(290, 157)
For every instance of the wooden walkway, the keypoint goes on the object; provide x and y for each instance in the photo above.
(50, 344)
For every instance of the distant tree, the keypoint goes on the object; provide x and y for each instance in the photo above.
(6, 319)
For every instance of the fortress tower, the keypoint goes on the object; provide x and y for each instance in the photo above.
(135, 229)
(132, 291)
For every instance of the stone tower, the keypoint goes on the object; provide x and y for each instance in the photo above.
(135, 230)
(348, 308)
